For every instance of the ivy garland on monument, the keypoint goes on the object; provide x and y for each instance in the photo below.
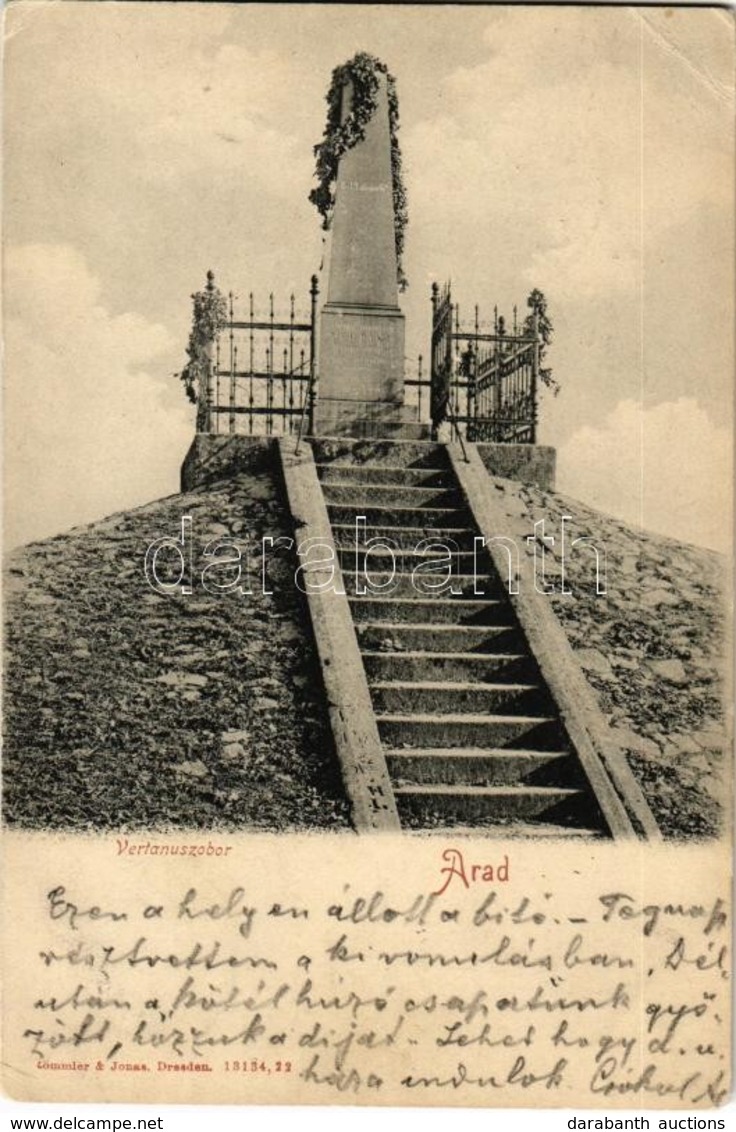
(362, 71)
(209, 316)
(537, 303)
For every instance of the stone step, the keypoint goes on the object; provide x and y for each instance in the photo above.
(372, 474)
(472, 737)
(359, 496)
(388, 516)
(506, 831)
(388, 636)
(406, 559)
(436, 729)
(491, 804)
(435, 611)
(373, 454)
(421, 584)
(457, 666)
(409, 696)
(455, 766)
(433, 540)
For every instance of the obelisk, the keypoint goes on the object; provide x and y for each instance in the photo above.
(361, 355)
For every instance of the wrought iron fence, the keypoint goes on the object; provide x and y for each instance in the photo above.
(254, 372)
(255, 369)
(483, 379)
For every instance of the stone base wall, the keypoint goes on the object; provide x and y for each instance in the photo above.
(527, 463)
(213, 458)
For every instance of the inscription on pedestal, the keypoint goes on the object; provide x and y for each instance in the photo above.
(363, 355)
(360, 188)
(374, 345)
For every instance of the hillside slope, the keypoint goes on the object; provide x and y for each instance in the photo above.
(653, 647)
(126, 708)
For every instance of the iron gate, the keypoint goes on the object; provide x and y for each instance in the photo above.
(486, 391)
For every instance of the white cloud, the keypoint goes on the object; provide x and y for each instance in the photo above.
(555, 162)
(167, 138)
(88, 425)
(666, 468)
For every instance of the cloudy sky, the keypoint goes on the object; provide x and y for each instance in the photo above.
(587, 152)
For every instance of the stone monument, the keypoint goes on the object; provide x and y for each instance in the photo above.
(361, 353)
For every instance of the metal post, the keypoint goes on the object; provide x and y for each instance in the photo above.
(433, 376)
(454, 423)
(209, 364)
(270, 368)
(535, 374)
(496, 425)
(314, 294)
(290, 368)
(251, 360)
(310, 397)
(217, 382)
(454, 375)
(231, 423)
(471, 378)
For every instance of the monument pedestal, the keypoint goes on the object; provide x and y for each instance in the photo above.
(361, 365)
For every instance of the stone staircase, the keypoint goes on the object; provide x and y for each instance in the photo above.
(472, 738)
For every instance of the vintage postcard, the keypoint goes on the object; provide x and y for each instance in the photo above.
(368, 528)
